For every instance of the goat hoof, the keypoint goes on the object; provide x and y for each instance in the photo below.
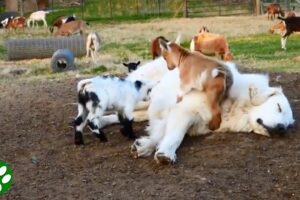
(101, 136)
(133, 151)
(78, 138)
(78, 141)
(162, 159)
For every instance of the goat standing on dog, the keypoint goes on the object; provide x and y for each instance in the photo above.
(97, 95)
(199, 72)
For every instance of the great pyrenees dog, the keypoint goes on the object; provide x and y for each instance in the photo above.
(252, 105)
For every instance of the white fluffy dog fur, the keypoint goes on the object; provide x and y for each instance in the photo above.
(251, 106)
(93, 45)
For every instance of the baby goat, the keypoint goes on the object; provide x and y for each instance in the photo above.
(97, 95)
(132, 66)
(292, 24)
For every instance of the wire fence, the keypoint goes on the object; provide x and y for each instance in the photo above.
(142, 9)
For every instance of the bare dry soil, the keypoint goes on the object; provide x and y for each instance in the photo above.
(37, 143)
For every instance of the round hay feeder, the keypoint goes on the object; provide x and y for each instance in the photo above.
(18, 49)
(62, 60)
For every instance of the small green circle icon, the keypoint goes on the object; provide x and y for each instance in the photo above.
(6, 177)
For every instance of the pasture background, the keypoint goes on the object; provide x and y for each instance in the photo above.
(38, 144)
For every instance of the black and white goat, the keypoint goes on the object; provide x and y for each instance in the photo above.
(292, 24)
(132, 66)
(102, 93)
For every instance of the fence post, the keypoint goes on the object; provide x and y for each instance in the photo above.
(137, 7)
(110, 8)
(185, 9)
(257, 7)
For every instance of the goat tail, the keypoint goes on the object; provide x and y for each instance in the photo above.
(281, 18)
(192, 45)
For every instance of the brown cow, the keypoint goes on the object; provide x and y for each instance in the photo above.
(273, 9)
(200, 72)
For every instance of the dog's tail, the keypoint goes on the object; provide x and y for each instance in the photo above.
(281, 18)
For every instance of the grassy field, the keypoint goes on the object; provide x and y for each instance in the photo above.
(253, 48)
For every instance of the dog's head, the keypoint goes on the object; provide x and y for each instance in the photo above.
(273, 115)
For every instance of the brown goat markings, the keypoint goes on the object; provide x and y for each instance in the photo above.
(17, 22)
(71, 28)
(196, 72)
(273, 9)
(292, 24)
(278, 26)
(155, 48)
(212, 44)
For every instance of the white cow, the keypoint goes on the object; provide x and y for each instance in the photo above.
(252, 106)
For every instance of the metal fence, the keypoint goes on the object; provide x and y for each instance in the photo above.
(198, 8)
(139, 9)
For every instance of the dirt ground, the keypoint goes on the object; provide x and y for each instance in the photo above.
(38, 144)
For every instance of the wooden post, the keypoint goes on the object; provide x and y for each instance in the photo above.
(137, 7)
(110, 8)
(257, 7)
(185, 9)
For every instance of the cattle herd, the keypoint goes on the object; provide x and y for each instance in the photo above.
(179, 92)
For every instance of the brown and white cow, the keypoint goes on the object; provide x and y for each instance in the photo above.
(200, 72)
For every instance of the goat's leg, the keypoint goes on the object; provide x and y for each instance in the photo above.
(95, 120)
(45, 22)
(215, 93)
(126, 119)
(79, 123)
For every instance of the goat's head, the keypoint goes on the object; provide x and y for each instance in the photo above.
(228, 56)
(132, 66)
(204, 29)
(144, 88)
(172, 53)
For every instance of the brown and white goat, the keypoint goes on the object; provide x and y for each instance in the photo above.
(292, 24)
(278, 26)
(211, 44)
(200, 72)
(155, 49)
(14, 22)
(60, 21)
(273, 9)
(71, 28)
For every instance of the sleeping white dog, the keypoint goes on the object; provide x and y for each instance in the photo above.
(252, 105)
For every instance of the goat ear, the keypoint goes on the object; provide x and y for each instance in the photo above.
(126, 65)
(163, 45)
(138, 62)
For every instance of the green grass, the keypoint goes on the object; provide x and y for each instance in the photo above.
(260, 52)
(264, 52)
